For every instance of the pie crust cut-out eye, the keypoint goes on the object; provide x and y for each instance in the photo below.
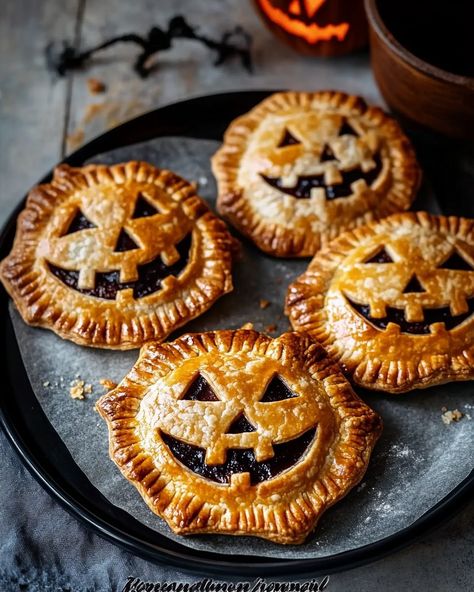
(456, 262)
(288, 139)
(79, 222)
(143, 208)
(380, 256)
(276, 391)
(200, 390)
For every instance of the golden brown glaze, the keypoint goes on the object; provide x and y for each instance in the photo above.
(115, 256)
(157, 405)
(300, 168)
(393, 301)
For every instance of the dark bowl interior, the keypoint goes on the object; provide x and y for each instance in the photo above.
(438, 33)
(422, 58)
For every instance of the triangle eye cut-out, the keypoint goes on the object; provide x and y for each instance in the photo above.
(241, 425)
(413, 286)
(288, 140)
(79, 222)
(381, 256)
(347, 129)
(276, 391)
(143, 208)
(200, 390)
(456, 262)
(125, 242)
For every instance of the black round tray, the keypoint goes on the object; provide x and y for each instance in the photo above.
(48, 459)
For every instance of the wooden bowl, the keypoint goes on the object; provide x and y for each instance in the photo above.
(421, 92)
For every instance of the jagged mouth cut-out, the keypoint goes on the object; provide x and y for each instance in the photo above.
(150, 276)
(397, 316)
(238, 460)
(305, 183)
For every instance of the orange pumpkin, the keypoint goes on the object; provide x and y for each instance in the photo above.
(317, 27)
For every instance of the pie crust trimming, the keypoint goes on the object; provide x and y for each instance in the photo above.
(115, 256)
(393, 301)
(300, 168)
(236, 433)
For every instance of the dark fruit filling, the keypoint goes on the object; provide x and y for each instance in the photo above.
(150, 276)
(239, 460)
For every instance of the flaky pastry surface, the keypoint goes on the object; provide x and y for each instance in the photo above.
(233, 482)
(393, 301)
(115, 256)
(300, 168)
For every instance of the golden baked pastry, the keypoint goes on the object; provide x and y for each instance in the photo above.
(393, 301)
(300, 168)
(236, 433)
(115, 256)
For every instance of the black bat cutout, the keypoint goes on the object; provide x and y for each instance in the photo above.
(397, 316)
(240, 460)
(305, 183)
(62, 57)
(150, 276)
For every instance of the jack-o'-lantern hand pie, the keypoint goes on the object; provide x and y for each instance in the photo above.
(115, 256)
(300, 168)
(393, 302)
(233, 432)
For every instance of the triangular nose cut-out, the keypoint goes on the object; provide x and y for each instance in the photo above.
(276, 391)
(347, 129)
(79, 222)
(200, 390)
(413, 286)
(143, 208)
(456, 262)
(327, 154)
(241, 425)
(125, 242)
(288, 140)
(381, 256)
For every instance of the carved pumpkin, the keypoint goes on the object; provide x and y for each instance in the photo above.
(317, 27)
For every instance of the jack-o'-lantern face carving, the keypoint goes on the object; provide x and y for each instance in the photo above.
(420, 295)
(234, 432)
(116, 256)
(314, 155)
(300, 168)
(402, 293)
(317, 27)
(110, 244)
(252, 428)
(414, 286)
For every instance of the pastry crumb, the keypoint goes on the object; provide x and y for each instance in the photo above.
(96, 86)
(264, 303)
(107, 384)
(77, 389)
(271, 328)
(450, 416)
(46, 383)
(247, 326)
